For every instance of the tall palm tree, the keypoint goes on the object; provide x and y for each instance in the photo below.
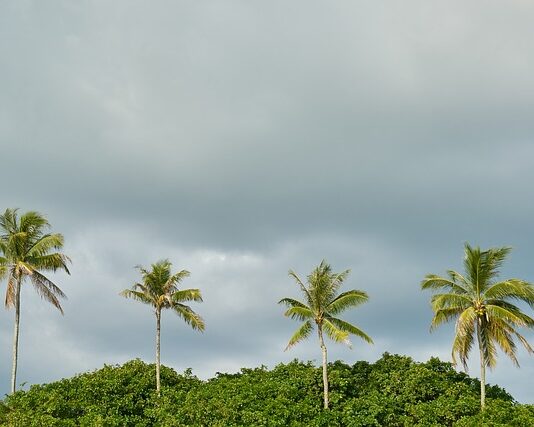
(322, 304)
(159, 288)
(26, 251)
(483, 308)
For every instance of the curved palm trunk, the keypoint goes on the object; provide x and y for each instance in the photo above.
(16, 336)
(325, 373)
(158, 329)
(482, 368)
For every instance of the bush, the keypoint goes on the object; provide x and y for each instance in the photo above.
(394, 391)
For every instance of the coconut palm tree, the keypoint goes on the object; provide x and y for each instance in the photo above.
(159, 288)
(483, 308)
(26, 251)
(322, 304)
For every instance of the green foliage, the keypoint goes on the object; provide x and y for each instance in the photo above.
(482, 306)
(323, 303)
(394, 391)
(159, 288)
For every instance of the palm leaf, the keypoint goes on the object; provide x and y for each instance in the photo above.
(136, 295)
(189, 316)
(336, 334)
(45, 244)
(290, 302)
(302, 333)
(47, 289)
(346, 300)
(511, 289)
(299, 313)
(432, 281)
(186, 295)
(350, 328)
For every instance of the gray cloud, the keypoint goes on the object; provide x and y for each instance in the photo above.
(246, 139)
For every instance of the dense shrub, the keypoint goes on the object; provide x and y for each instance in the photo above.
(394, 391)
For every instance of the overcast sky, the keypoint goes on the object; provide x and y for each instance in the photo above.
(240, 139)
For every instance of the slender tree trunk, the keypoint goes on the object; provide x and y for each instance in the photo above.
(325, 373)
(16, 336)
(482, 368)
(158, 329)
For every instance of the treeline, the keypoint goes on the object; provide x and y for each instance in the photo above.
(394, 391)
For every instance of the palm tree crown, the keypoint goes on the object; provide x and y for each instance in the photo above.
(484, 308)
(159, 288)
(323, 303)
(26, 251)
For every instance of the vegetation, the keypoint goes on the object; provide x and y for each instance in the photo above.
(323, 303)
(159, 288)
(26, 251)
(394, 391)
(482, 307)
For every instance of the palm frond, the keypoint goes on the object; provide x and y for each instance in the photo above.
(491, 262)
(441, 301)
(444, 315)
(8, 221)
(303, 288)
(486, 331)
(336, 334)
(336, 280)
(45, 244)
(49, 262)
(459, 280)
(524, 342)
(509, 315)
(465, 330)
(502, 334)
(4, 267)
(350, 328)
(300, 313)
(432, 281)
(346, 300)
(11, 291)
(33, 223)
(47, 289)
(515, 289)
(178, 277)
(186, 295)
(463, 340)
(301, 334)
(461, 347)
(136, 295)
(290, 302)
(189, 316)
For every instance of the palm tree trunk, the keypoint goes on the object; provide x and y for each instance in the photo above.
(16, 336)
(158, 329)
(482, 368)
(325, 373)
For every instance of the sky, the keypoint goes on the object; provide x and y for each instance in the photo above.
(242, 139)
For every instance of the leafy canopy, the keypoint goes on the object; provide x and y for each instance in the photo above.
(26, 250)
(477, 300)
(323, 303)
(159, 288)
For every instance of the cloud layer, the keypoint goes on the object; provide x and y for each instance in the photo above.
(243, 139)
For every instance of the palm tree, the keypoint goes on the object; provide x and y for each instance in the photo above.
(322, 303)
(482, 307)
(159, 289)
(25, 252)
